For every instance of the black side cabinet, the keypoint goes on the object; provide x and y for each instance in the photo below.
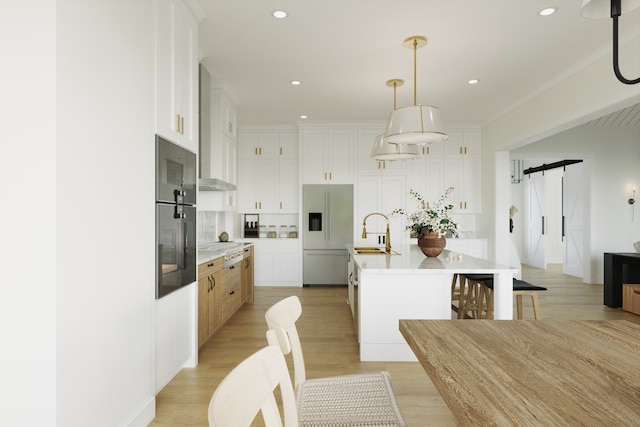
(619, 268)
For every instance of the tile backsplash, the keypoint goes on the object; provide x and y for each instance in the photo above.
(208, 226)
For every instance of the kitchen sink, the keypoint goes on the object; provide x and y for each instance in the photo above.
(372, 250)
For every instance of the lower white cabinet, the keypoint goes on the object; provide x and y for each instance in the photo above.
(473, 247)
(277, 262)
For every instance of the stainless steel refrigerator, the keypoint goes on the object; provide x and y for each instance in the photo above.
(327, 226)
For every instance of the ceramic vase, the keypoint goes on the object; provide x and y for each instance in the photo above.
(431, 244)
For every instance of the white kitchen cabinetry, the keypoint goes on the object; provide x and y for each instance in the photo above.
(268, 172)
(455, 162)
(463, 170)
(473, 247)
(380, 194)
(223, 135)
(327, 155)
(176, 73)
(364, 163)
(277, 262)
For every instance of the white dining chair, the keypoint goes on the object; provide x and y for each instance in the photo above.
(357, 400)
(249, 389)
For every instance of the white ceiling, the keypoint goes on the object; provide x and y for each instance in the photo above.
(344, 51)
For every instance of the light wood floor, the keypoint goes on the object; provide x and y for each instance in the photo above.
(330, 347)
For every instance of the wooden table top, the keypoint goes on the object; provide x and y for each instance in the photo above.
(532, 372)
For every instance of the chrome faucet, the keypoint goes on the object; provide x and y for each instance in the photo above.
(387, 234)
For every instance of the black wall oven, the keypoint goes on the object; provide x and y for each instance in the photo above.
(175, 217)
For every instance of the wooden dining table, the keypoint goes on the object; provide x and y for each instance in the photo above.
(532, 372)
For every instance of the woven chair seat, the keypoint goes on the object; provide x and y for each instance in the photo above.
(361, 400)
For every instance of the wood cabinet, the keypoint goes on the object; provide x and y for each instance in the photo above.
(327, 155)
(209, 299)
(364, 163)
(222, 291)
(231, 290)
(176, 73)
(268, 172)
(247, 275)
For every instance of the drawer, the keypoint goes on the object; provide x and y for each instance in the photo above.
(631, 298)
(207, 268)
(231, 298)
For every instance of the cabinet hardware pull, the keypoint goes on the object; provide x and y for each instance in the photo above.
(260, 150)
(465, 150)
(280, 205)
(427, 150)
(210, 264)
(182, 125)
(232, 267)
(232, 292)
(255, 151)
(281, 151)
(330, 178)
(178, 123)
(460, 150)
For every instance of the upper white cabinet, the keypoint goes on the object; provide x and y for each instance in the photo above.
(177, 73)
(463, 171)
(455, 162)
(364, 163)
(224, 148)
(268, 172)
(382, 194)
(327, 155)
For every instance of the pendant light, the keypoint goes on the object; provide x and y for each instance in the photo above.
(417, 124)
(612, 8)
(382, 150)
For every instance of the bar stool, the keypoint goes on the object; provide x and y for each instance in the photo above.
(520, 289)
(455, 292)
(471, 295)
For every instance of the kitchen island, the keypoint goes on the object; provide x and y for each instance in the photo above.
(408, 285)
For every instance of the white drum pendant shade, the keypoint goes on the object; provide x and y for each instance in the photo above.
(415, 125)
(382, 150)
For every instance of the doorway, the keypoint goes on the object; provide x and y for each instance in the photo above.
(553, 219)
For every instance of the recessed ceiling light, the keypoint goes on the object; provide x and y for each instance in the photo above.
(304, 116)
(473, 81)
(296, 82)
(548, 11)
(279, 14)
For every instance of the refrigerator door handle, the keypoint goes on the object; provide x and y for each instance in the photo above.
(327, 211)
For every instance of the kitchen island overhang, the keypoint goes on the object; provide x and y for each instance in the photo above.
(409, 285)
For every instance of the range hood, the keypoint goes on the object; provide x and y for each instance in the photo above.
(207, 182)
(214, 184)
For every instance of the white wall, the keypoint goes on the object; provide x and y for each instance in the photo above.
(614, 155)
(27, 216)
(105, 210)
(587, 94)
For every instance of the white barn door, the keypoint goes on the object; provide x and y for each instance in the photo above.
(573, 219)
(535, 244)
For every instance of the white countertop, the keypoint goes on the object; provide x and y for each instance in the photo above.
(411, 259)
(209, 251)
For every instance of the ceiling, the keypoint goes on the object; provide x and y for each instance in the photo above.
(343, 52)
